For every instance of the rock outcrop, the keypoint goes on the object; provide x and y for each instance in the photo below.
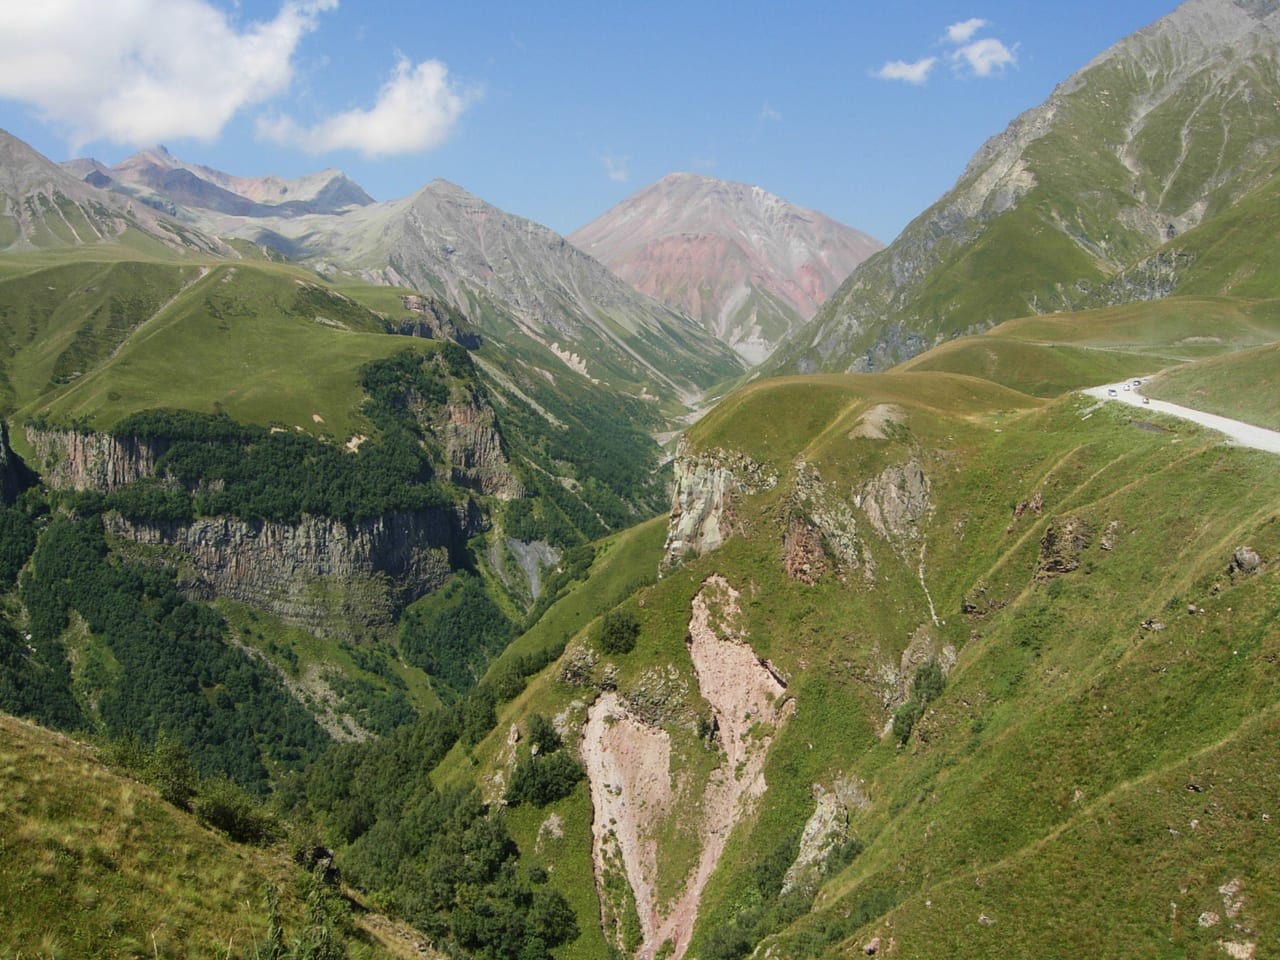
(634, 787)
(75, 460)
(473, 446)
(434, 320)
(321, 574)
(705, 487)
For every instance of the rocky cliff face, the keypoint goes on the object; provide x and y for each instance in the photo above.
(71, 460)
(474, 448)
(637, 792)
(323, 575)
(705, 486)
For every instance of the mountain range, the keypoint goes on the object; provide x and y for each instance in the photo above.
(345, 528)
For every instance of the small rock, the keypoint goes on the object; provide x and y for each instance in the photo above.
(1208, 919)
(985, 920)
(1192, 609)
(1244, 562)
(871, 948)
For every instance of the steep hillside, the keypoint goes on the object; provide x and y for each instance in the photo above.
(1166, 131)
(969, 657)
(748, 265)
(98, 865)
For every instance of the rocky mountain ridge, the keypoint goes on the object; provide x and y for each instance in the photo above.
(42, 206)
(164, 181)
(746, 263)
(513, 279)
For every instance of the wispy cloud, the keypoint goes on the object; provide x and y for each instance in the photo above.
(415, 111)
(147, 70)
(916, 73)
(768, 114)
(986, 56)
(615, 168)
(963, 31)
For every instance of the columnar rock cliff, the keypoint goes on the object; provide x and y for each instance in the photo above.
(71, 460)
(474, 448)
(321, 574)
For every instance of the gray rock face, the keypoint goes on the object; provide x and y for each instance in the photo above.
(323, 575)
(701, 505)
(70, 460)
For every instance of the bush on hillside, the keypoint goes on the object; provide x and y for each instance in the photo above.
(619, 631)
(226, 807)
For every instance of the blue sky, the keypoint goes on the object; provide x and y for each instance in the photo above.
(555, 112)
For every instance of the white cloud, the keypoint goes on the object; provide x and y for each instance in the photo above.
(615, 168)
(963, 31)
(916, 73)
(985, 57)
(142, 71)
(768, 113)
(415, 111)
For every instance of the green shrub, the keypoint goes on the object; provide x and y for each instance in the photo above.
(619, 631)
(543, 735)
(226, 807)
(904, 719)
(171, 771)
(543, 780)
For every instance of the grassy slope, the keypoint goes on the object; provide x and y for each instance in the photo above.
(1241, 385)
(239, 338)
(1023, 723)
(1054, 766)
(97, 865)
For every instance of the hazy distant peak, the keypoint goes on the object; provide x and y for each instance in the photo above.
(199, 187)
(747, 264)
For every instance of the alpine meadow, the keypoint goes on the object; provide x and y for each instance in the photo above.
(403, 579)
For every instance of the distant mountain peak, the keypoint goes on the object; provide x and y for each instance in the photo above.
(158, 174)
(748, 265)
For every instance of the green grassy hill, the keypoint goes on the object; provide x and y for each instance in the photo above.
(96, 864)
(1097, 747)
(1239, 385)
(1049, 355)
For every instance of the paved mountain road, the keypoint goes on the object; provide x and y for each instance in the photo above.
(1244, 434)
